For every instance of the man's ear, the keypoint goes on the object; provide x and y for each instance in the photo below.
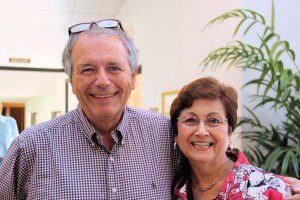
(71, 82)
(134, 77)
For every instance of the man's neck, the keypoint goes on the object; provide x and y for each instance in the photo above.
(105, 128)
(106, 125)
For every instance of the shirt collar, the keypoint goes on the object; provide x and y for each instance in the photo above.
(87, 127)
(122, 127)
(90, 131)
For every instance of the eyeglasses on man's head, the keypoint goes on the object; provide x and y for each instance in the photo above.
(106, 23)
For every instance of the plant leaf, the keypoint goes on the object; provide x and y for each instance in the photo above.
(285, 162)
(295, 163)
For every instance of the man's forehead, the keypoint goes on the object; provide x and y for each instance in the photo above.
(87, 41)
(98, 36)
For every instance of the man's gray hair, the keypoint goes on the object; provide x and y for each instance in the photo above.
(132, 50)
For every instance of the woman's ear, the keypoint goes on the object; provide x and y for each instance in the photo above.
(230, 135)
(176, 139)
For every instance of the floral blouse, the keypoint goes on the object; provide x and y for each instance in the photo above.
(247, 182)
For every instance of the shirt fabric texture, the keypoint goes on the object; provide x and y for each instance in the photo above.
(65, 159)
(8, 132)
(248, 182)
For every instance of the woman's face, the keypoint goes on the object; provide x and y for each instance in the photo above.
(203, 132)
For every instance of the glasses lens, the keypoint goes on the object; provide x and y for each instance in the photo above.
(109, 23)
(189, 120)
(210, 121)
(80, 28)
(214, 121)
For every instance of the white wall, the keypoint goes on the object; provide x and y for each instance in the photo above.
(168, 33)
(172, 44)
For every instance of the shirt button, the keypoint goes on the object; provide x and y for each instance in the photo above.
(114, 190)
(111, 159)
(153, 185)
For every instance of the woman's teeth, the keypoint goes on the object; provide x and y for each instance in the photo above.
(201, 144)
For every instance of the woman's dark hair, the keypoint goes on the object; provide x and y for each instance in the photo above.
(203, 88)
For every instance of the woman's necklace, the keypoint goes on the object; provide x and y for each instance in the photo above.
(201, 190)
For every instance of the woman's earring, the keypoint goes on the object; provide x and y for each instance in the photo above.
(175, 145)
(229, 148)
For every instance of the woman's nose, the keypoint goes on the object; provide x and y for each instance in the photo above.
(201, 130)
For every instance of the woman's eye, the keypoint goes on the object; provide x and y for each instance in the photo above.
(190, 120)
(213, 120)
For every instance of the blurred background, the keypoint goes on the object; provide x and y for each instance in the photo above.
(168, 33)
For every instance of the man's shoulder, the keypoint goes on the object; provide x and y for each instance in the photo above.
(146, 115)
(47, 127)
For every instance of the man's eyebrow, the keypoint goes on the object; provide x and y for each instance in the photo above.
(115, 63)
(84, 65)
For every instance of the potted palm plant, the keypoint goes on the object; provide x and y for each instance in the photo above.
(275, 148)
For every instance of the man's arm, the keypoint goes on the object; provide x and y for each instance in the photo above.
(7, 173)
(15, 171)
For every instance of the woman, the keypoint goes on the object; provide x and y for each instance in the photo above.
(203, 117)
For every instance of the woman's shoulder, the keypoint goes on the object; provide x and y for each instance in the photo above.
(258, 183)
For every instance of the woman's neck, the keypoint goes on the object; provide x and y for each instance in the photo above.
(206, 173)
(208, 178)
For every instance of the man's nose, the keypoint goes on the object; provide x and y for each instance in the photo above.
(103, 78)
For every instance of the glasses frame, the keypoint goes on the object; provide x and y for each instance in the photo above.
(205, 123)
(96, 23)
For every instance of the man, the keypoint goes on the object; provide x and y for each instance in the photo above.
(103, 149)
(8, 132)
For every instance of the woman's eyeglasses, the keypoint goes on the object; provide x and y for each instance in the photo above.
(210, 122)
(106, 23)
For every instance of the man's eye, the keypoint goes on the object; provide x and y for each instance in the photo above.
(87, 70)
(114, 68)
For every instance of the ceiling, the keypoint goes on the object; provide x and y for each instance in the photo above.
(55, 14)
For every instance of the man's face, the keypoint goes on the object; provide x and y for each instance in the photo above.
(101, 78)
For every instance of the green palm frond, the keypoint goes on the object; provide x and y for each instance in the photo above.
(276, 148)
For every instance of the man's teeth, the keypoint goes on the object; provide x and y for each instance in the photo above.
(202, 144)
(102, 96)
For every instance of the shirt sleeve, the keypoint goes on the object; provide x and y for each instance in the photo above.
(15, 170)
(279, 189)
(15, 132)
